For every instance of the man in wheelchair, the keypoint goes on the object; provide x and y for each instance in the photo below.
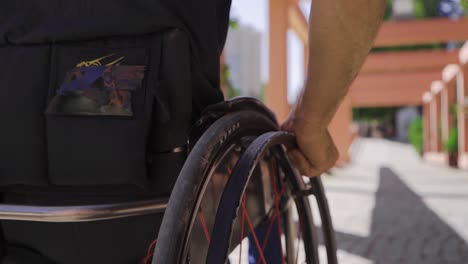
(115, 105)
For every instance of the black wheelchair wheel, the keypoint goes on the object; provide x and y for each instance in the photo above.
(234, 195)
(270, 201)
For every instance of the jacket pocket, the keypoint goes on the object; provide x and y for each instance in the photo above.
(98, 116)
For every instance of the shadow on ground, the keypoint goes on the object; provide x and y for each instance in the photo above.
(404, 229)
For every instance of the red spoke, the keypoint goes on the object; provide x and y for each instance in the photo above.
(274, 216)
(279, 236)
(276, 213)
(278, 195)
(242, 230)
(278, 217)
(252, 230)
(270, 227)
(204, 227)
(149, 253)
(273, 176)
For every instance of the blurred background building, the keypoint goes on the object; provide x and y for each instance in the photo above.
(243, 57)
(403, 9)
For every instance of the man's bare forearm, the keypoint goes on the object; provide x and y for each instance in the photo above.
(341, 35)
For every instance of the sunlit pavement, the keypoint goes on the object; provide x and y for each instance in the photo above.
(390, 207)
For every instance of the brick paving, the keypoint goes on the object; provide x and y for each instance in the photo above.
(390, 207)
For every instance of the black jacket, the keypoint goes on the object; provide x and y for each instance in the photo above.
(24, 22)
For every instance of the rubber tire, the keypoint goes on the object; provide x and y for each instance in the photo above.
(180, 213)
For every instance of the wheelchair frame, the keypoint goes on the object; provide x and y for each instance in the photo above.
(88, 213)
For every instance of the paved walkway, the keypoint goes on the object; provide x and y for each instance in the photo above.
(390, 207)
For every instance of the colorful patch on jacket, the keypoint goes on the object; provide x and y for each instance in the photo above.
(98, 90)
(111, 58)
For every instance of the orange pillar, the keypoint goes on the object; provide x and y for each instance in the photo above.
(444, 115)
(436, 155)
(427, 98)
(276, 95)
(462, 98)
(341, 130)
(437, 116)
(449, 99)
(449, 104)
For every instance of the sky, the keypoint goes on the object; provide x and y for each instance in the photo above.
(251, 12)
(254, 13)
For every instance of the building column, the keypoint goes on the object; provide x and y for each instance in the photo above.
(462, 98)
(436, 155)
(449, 102)
(444, 116)
(449, 99)
(436, 89)
(276, 94)
(427, 98)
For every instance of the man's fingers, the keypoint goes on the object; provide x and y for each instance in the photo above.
(317, 152)
(321, 161)
(300, 162)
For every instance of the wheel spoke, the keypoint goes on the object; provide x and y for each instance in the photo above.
(270, 227)
(201, 217)
(278, 196)
(276, 213)
(242, 230)
(149, 253)
(254, 235)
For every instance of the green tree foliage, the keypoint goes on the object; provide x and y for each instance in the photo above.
(464, 3)
(233, 24)
(388, 10)
(451, 146)
(434, 46)
(378, 114)
(430, 8)
(226, 81)
(261, 96)
(415, 134)
(426, 8)
(454, 111)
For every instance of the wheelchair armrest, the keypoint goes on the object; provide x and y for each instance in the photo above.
(85, 213)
